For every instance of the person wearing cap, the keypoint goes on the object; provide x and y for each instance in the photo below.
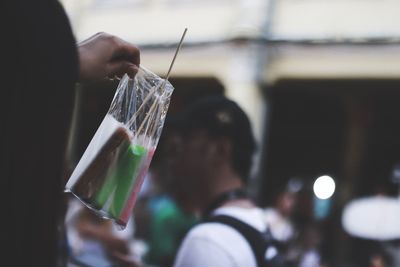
(212, 167)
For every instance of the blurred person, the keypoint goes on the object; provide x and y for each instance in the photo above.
(279, 217)
(41, 64)
(212, 167)
(374, 253)
(97, 242)
(311, 239)
(166, 222)
(372, 246)
(378, 260)
(391, 250)
(279, 220)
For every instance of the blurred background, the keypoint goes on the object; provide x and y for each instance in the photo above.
(320, 82)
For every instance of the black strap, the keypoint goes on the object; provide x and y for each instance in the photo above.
(239, 193)
(255, 238)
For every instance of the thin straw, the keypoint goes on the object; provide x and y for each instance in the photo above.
(134, 116)
(168, 73)
(151, 110)
(176, 53)
(154, 89)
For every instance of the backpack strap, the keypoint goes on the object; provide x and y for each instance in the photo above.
(259, 245)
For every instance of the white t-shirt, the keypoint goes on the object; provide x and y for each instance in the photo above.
(281, 228)
(219, 245)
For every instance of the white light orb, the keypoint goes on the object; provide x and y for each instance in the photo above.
(324, 187)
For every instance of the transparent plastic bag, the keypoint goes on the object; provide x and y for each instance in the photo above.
(110, 173)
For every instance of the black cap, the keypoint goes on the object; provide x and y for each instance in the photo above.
(221, 117)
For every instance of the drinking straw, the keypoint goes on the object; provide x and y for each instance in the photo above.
(154, 89)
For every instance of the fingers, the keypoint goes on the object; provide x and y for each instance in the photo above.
(125, 58)
(127, 260)
(128, 52)
(119, 68)
(105, 56)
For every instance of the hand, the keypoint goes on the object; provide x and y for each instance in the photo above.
(89, 230)
(106, 56)
(126, 260)
(102, 234)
